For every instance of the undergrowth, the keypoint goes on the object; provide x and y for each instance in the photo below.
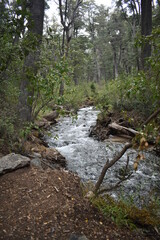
(131, 93)
(125, 213)
(76, 96)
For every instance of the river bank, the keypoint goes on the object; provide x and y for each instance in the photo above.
(50, 204)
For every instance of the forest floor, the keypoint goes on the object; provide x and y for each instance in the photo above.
(49, 204)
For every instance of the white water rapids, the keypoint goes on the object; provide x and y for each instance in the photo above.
(87, 156)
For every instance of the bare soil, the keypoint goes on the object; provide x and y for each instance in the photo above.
(49, 204)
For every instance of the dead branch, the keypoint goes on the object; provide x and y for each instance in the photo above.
(110, 164)
(47, 164)
(103, 190)
(151, 117)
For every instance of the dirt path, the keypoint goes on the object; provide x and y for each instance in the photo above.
(37, 204)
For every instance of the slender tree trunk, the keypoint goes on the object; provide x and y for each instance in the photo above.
(30, 65)
(115, 65)
(98, 65)
(146, 27)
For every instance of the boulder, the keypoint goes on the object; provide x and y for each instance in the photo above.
(43, 123)
(54, 157)
(50, 156)
(12, 162)
(36, 162)
(30, 147)
(51, 117)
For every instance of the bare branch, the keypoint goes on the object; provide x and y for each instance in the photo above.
(108, 165)
(103, 190)
(154, 115)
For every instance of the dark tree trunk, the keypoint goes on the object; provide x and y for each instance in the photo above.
(115, 65)
(146, 27)
(36, 8)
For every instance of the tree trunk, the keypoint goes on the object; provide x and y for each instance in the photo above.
(98, 66)
(67, 17)
(115, 65)
(35, 28)
(146, 27)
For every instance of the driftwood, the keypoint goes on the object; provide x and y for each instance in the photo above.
(110, 164)
(123, 130)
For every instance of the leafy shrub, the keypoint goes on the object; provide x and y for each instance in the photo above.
(133, 92)
(75, 96)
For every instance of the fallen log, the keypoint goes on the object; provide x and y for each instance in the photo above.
(123, 130)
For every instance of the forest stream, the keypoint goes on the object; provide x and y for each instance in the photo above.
(86, 156)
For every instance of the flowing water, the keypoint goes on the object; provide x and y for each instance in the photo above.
(86, 156)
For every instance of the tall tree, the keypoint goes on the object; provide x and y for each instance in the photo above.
(35, 31)
(131, 12)
(146, 27)
(68, 10)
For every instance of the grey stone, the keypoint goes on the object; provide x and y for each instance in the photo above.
(77, 237)
(36, 162)
(36, 155)
(12, 162)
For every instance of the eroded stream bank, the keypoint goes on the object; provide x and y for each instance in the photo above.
(86, 156)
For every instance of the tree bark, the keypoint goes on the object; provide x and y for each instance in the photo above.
(115, 65)
(146, 28)
(35, 28)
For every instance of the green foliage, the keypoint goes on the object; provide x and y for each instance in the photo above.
(133, 92)
(111, 209)
(75, 96)
(125, 213)
(140, 91)
(93, 88)
(8, 131)
(47, 82)
(24, 133)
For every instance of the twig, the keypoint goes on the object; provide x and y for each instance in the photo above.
(47, 164)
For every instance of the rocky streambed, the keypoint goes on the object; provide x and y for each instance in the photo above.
(86, 156)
